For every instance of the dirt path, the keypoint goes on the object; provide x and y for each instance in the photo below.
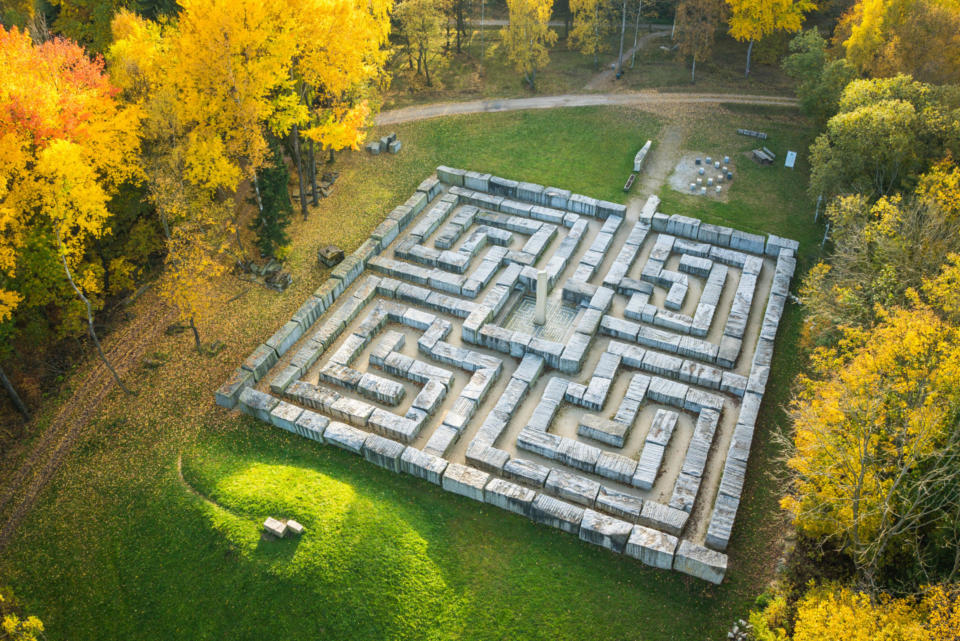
(125, 348)
(606, 79)
(631, 98)
(663, 157)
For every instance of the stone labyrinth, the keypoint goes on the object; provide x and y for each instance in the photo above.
(626, 420)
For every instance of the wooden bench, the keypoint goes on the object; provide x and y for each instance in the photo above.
(764, 156)
(753, 134)
(632, 179)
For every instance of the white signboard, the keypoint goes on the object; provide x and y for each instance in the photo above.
(791, 159)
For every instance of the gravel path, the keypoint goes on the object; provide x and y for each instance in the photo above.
(633, 98)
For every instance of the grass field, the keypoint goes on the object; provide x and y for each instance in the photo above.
(119, 547)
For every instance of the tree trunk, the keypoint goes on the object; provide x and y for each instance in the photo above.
(196, 336)
(460, 27)
(673, 31)
(86, 302)
(256, 192)
(693, 71)
(749, 51)
(636, 33)
(623, 31)
(483, 5)
(426, 69)
(12, 393)
(295, 135)
(330, 159)
(596, 35)
(313, 175)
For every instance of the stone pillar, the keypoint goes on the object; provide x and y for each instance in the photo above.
(541, 313)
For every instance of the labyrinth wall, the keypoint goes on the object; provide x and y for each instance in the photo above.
(626, 421)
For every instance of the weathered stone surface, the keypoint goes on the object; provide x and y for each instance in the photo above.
(275, 527)
(345, 436)
(441, 440)
(663, 517)
(509, 496)
(556, 513)
(527, 472)
(615, 467)
(700, 562)
(721, 522)
(625, 506)
(465, 481)
(423, 465)
(260, 360)
(311, 425)
(604, 530)
(228, 393)
(486, 458)
(285, 416)
(383, 452)
(257, 404)
(652, 547)
(572, 487)
(603, 430)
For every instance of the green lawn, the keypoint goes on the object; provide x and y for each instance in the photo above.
(762, 198)
(119, 548)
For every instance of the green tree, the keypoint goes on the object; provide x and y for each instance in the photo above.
(820, 80)
(271, 223)
(887, 132)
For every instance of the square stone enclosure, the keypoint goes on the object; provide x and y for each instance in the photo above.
(633, 434)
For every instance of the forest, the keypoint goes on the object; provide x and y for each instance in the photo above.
(168, 145)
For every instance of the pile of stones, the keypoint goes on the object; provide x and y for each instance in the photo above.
(388, 143)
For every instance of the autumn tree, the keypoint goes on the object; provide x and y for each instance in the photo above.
(419, 22)
(67, 146)
(697, 22)
(592, 26)
(528, 36)
(338, 71)
(877, 448)
(216, 86)
(887, 131)
(880, 250)
(752, 20)
(832, 611)
(920, 38)
(820, 79)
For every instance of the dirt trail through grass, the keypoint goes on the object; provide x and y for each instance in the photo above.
(125, 348)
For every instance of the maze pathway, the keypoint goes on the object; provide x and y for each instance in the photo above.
(627, 421)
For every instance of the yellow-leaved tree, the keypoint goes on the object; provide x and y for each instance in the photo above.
(591, 27)
(67, 146)
(338, 69)
(920, 38)
(528, 35)
(217, 85)
(752, 20)
(876, 452)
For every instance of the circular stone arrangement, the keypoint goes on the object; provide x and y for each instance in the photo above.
(701, 174)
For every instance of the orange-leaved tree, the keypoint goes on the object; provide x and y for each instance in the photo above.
(66, 146)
